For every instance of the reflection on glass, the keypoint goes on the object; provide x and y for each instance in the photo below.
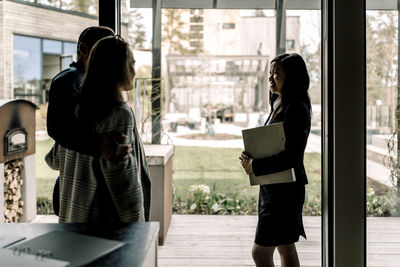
(215, 81)
(139, 35)
(69, 48)
(383, 185)
(51, 46)
(83, 6)
(27, 68)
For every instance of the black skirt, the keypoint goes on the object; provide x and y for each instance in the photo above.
(280, 220)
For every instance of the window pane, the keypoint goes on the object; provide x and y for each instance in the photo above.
(84, 6)
(27, 68)
(69, 48)
(69, 54)
(215, 85)
(383, 184)
(52, 47)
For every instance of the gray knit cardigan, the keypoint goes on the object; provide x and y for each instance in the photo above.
(127, 187)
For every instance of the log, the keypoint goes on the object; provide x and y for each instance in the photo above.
(20, 211)
(14, 184)
(6, 212)
(8, 178)
(13, 213)
(18, 193)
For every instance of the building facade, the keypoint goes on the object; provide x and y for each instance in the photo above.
(230, 63)
(36, 42)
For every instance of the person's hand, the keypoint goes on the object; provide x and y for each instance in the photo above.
(246, 161)
(113, 149)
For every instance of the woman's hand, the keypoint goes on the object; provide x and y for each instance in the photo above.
(246, 161)
(113, 149)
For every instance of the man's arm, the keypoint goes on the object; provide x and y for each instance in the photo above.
(71, 133)
(62, 125)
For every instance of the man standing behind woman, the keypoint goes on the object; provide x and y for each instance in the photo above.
(280, 206)
(93, 189)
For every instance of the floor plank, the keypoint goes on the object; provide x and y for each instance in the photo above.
(217, 240)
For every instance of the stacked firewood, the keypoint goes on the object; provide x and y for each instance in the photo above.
(13, 180)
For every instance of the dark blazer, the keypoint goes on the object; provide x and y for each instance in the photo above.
(296, 120)
(62, 124)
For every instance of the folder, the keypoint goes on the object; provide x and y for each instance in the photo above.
(266, 141)
(10, 239)
(73, 248)
(20, 258)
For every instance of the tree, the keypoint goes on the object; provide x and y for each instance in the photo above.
(174, 35)
(137, 33)
(313, 62)
(85, 6)
(381, 65)
(382, 80)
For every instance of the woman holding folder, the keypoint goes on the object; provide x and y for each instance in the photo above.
(280, 206)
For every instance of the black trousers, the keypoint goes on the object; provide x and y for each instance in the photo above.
(56, 197)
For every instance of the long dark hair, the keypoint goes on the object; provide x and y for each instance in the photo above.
(296, 84)
(108, 71)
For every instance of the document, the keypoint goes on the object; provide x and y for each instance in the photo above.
(77, 249)
(265, 141)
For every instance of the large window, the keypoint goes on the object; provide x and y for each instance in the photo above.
(27, 68)
(36, 62)
(382, 137)
(89, 7)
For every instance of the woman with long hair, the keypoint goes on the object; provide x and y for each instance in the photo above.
(280, 206)
(93, 189)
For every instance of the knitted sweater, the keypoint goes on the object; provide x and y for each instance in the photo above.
(95, 190)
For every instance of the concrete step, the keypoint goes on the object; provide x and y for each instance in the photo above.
(45, 219)
(377, 154)
(381, 141)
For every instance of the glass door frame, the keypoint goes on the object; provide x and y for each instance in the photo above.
(343, 103)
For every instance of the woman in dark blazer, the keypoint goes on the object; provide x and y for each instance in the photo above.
(280, 221)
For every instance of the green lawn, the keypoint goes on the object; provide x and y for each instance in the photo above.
(194, 165)
(220, 166)
(45, 177)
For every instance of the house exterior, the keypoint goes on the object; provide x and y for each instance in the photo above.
(231, 63)
(36, 42)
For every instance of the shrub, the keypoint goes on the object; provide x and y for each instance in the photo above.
(44, 206)
(202, 200)
(312, 205)
(379, 205)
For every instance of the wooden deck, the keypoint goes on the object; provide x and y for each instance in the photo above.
(216, 240)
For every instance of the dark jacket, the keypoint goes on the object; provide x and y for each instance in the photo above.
(62, 124)
(296, 120)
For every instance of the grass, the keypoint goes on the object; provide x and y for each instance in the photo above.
(45, 177)
(214, 167)
(220, 166)
(193, 165)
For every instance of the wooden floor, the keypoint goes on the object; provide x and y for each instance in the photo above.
(207, 240)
